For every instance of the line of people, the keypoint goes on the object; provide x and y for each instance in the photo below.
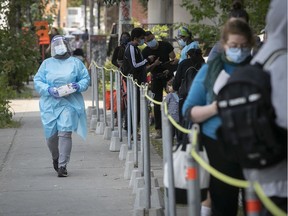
(196, 94)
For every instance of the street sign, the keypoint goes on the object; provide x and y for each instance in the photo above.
(42, 30)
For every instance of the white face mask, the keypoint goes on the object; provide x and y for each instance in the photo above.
(60, 49)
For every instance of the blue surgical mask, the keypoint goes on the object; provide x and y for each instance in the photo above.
(141, 42)
(237, 55)
(182, 43)
(152, 43)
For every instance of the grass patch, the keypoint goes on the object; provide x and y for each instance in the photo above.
(157, 143)
(26, 93)
(12, 124)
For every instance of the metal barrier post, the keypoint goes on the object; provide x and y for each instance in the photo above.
(104, 97)
(192, 176)
(119, 111)
(147, 172)
(170, 208)
(93, 71)
(135, 122)
(253, 205)
(111, 100)
(129, 95)
(142, 106)
(97, 94)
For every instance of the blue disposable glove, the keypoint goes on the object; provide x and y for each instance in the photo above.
(53, 92)
(75, 86)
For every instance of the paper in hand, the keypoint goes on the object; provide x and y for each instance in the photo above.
(220, 81)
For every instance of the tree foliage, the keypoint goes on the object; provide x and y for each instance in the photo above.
(19, 51)
(76, 3)
(215, 13)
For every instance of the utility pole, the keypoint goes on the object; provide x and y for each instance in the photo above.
(91, 16)
(124, 16)
(85, 14)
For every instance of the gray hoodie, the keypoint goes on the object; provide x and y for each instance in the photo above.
(274, 179)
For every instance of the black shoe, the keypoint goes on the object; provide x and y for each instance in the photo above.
(55, 165)
(62, 172)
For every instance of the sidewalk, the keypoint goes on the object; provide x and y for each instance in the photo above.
(29, 186)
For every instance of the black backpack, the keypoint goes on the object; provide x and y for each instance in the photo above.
(249, 134)
(186, 82)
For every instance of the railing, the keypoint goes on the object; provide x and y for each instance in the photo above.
(141, 157)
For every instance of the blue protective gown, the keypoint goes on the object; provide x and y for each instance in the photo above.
(66, 113)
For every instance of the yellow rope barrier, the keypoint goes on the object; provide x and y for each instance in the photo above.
(267, 202)
(227, 179)
(275, 210)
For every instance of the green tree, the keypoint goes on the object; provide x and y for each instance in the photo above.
(75, 3)
(215, 12)
(19, 51)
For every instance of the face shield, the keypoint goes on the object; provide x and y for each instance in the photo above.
(58, 46)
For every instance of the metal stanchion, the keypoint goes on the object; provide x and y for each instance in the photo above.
(104, 97)
(147, 165)
(170, 208)
(119, 111)
(192, 176)
(135, 123)
(129, 95)
(97, 94)
(111, 100)
(93, 73)
(142, 105)
(253, 205)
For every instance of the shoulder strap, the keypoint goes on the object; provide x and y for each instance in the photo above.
(274, 56)
(191, 67)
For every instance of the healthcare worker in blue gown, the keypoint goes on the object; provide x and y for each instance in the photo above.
(61, 115)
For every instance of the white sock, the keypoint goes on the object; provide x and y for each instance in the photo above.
(205, 211)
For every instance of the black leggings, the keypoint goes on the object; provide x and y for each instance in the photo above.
(224, 197)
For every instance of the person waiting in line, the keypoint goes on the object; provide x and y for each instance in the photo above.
(85, 36)
(200, 106)
(172, 101)
(118, 53)
(164, 52)
(117, 60)
(238, 12)
(190, 65)
(185, 41)
(134, 64)
(77, 43)
(273, 179)
(62, 115)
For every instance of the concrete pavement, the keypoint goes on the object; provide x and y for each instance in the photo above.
(29, 186)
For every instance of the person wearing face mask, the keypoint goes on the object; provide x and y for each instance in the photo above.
(273, 179)
(118, 54)
(164, 52)
(134, 63)
(117, 60)
(185, 42)
(237, 12)
(62, 113)
(200, 107)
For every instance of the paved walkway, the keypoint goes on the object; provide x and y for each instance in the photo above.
(30, 187)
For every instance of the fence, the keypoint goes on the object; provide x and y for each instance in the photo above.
(137, 155)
